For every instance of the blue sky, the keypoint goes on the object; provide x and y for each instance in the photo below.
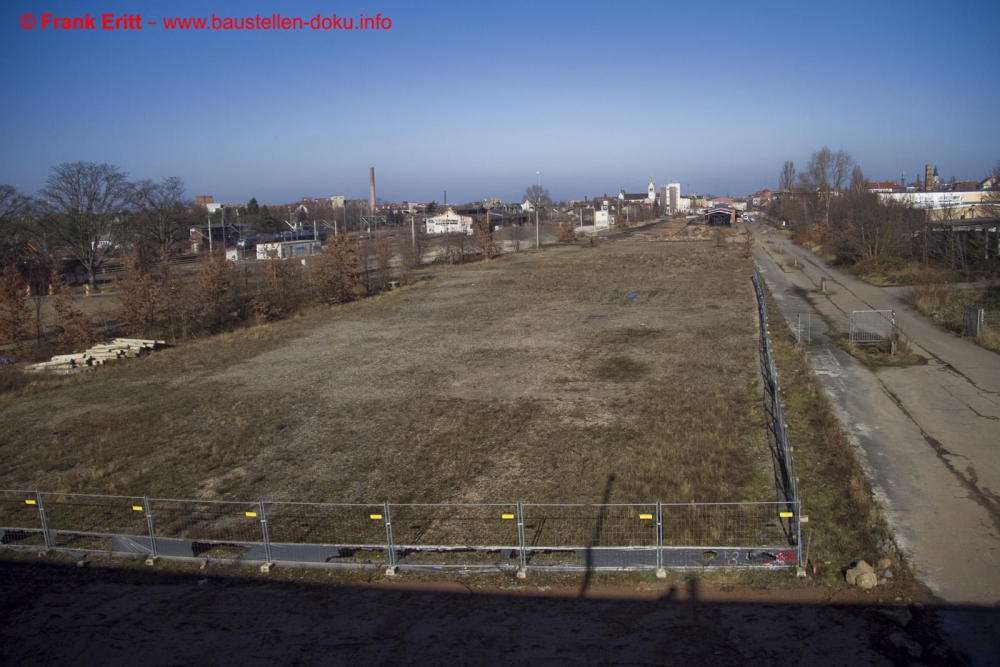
(476, 98)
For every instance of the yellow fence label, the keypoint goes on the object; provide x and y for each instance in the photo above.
(645, 517)
(374, 517)
(29, 502)
(137, 508)
(251, 514)
(506, 516)
(785, 515)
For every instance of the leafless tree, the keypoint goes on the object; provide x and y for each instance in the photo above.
(162, 213)
(13, 232)
(86, 207)
(787, 179)
(517, 234)
(536, 194)
(825, 175)
(859, 183)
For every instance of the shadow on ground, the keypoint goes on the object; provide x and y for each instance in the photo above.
(54, 614)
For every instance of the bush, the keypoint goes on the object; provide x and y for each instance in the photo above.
(136, 311)
(13, 307)
(337, 275)
(566, 233)
(215, 291)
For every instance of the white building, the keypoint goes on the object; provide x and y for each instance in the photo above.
(673, 198)
(337, 201)
(449, 222)
(602, 218)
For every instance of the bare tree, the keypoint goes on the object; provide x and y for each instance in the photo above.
(859, 183)
(162, 215)
(13, 233)
(786, 181)
(825, 175)
(85, 206)
(536, 194)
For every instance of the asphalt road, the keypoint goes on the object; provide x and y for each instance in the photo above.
(928, 435)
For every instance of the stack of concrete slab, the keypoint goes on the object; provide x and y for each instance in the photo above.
(97, 356)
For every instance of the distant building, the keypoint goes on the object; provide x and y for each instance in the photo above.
(649, 197)
(673, 197)
(337, 201)
(603, 218)
(449, 222)
(884, 186)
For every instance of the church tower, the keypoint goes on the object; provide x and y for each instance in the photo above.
(651, 192)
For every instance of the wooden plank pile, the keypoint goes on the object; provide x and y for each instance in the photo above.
(96, 356)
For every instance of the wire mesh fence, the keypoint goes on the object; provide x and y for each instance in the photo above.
(503, 536)
(95, 522)
(872, 326)
(327, 533)
(785, 472)
(977, 322)
(462, 535)
(592, 536)
(21, 523)
(208, 529)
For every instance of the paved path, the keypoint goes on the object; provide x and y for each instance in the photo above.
(929, 435)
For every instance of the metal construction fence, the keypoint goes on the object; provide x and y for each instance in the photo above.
(785, 473)
(511, 536)
(872, 326)
(788, 478)
(979, 321)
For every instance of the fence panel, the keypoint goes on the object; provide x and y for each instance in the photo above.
(872, 326)
(972, 319)
(208, 529)
(84, 522)
(611, 537)
(20, 521)
(476, 536)
(730, 535)
(326, 533)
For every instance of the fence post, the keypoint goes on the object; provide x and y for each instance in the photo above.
(151, 559)
(801, 570)
(522, 571)
(391, 570)
(45, 523)
(266, 567)
(661, 572)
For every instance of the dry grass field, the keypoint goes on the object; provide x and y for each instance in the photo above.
(534, 377)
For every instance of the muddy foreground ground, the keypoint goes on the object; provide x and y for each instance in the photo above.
(55, 613)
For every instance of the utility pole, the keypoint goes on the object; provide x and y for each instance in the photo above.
(209, 233)
(413, 232)
(537, 202)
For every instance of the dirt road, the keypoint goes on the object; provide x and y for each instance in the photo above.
(929, 433)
